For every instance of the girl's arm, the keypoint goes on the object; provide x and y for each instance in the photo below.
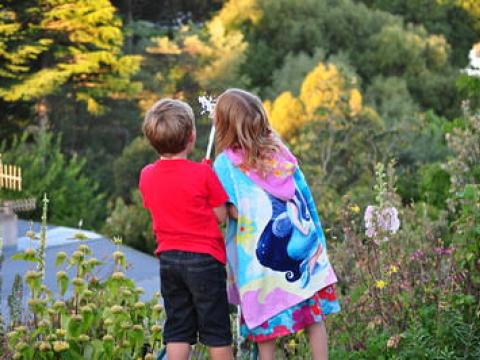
(220, 213)
(232, 211)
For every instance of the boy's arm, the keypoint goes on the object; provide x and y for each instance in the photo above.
(217, 198)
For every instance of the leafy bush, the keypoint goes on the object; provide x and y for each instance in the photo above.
(133, 222)
(46, 168)
(127, 167)
(101, 320)
(434, 185)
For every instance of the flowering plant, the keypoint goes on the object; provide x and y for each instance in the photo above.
(473, 68)
(100, 320)
(390, 271)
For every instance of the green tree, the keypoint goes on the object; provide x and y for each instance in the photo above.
(128, 166)
(457, 20)
(290, 76)
(392, 99)
(46, 169)
(72, 47)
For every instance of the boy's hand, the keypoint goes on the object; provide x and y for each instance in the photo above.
(207, 162)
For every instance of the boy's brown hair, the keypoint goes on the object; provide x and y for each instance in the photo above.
(168, 126)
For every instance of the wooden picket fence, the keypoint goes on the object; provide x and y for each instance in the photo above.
(10, 176)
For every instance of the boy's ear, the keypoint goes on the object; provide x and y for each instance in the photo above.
(192, 137)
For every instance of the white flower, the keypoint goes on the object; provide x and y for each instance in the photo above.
(473, 68)
(474, 56)
(207, 103)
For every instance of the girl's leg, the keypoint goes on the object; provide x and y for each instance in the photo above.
(221, 353)
(266, 350)
(317, 336)
(178, 350)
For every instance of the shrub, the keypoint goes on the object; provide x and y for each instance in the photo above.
(75, 197)
(133, 222)
(103, 319)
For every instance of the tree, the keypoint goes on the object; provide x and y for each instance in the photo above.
(373, 42)
(73, 47)
(457, 20)
(292, 73)
(128, 166)
(326, 94)
(392, 99)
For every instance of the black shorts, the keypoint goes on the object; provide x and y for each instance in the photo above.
(194, 291)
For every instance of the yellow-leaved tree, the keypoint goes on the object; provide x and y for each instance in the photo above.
(326, 95)
(332, 132)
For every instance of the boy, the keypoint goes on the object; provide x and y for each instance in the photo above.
(186, 202)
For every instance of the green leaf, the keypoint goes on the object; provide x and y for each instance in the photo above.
(60, 259)
(357, 293)
(469, 192)
(108, 349)
(62, 285)
(25, 257)
(74, 326)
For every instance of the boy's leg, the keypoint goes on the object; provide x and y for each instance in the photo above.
(207, 283)
(180, 329)
(317, 336)
(266, 350)
(178, 351)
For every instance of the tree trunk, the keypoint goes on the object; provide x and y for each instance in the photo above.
(41, 109)
(129, 24)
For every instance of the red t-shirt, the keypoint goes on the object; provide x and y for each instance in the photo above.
(180, 195)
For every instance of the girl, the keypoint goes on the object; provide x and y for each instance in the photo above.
(279, 272)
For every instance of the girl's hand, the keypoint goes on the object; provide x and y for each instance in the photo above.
(220, 213)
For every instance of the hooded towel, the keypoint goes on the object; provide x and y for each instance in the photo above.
(276, 249)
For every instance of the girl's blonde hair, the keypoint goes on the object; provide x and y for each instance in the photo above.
(242, 124)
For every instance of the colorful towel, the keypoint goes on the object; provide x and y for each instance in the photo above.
(276, 249)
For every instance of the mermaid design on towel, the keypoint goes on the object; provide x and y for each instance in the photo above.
(289, 242)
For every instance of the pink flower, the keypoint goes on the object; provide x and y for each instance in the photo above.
(443, 251)
(388, 219)
(370, 232)
(369, 218)
(417, 255)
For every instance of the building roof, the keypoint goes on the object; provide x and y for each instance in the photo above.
(142, 268)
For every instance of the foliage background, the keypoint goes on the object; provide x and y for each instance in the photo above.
(347, 84)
